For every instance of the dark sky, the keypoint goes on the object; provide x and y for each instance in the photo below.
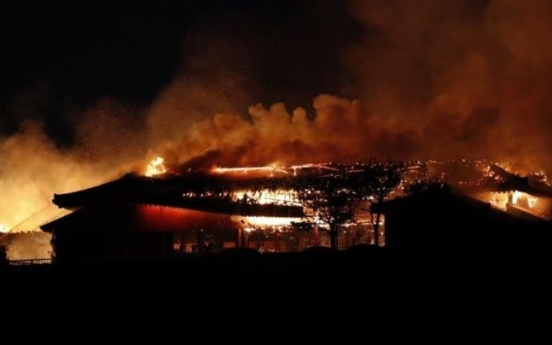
(62, 54)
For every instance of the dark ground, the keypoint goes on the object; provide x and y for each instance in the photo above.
(356, 296)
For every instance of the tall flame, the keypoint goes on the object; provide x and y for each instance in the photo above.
(4, 228)
(155, 167)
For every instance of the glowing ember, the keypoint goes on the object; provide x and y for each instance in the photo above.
(4, 228)
(528, 200)
(267, 169)
(269, 221)
(515, 197)
(266, 196)
(155, 167)
(271, 169)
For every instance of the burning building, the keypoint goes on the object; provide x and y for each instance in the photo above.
(152, 216)
(525, 197)
(163, 213)
(166, 211)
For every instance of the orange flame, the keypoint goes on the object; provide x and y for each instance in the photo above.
(4, 228)
(155, 167)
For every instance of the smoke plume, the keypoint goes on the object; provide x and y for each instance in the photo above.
(434, 79)
(426, 79)
(471, 77)
(28, 246)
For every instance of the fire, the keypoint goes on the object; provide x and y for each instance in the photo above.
(258, 221)
(155, 167)
(529, 200)
(263, 170)
(265, 196)
(515, 197)
(4, 228)
(222, 170)
(270, 170)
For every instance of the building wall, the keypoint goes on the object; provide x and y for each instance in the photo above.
(130, 232)
(90, 245)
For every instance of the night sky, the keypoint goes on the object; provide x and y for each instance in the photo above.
(94, 90)
(63, 54)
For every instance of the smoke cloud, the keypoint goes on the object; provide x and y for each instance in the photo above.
(424, 79)
(342, 130)
(35, 166)
(28, 245)
(471, 77)
(32, 170)
(434, 80)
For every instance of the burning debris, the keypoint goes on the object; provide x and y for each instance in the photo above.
(155, 167)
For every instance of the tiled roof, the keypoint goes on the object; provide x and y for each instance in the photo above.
(168, 192)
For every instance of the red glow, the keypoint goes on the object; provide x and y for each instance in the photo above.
(159, 218)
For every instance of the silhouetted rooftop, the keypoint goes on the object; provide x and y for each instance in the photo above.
(137, 190)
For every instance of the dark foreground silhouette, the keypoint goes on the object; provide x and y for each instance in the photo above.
(359, 295)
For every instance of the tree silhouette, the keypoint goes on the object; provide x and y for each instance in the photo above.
(380, 180)
(332, 199)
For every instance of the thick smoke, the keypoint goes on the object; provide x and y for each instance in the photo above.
(107, 138)
(28, 245)
(342, 130)
(471, 77)
(34, 167)
(436, 79)
(213, 79)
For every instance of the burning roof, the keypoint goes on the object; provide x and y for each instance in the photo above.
(197, 191)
